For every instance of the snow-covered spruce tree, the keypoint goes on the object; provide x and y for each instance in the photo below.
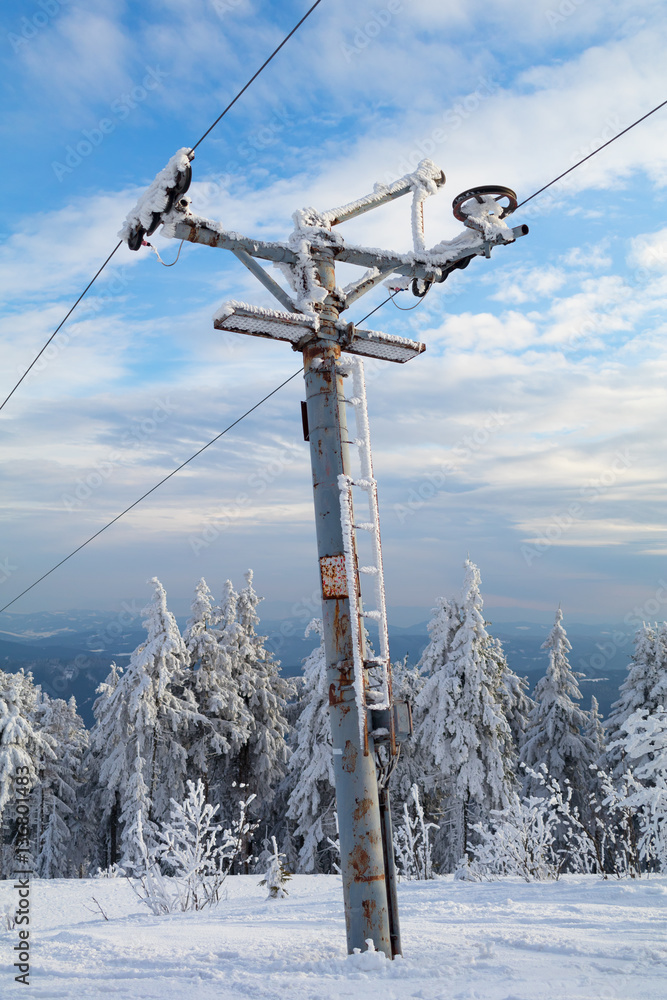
(594, 731)
(595, 736)
(58, 833)
(513, 695)
(312, 800)
(22, 746)
(463, 733)
(644, 738)
(645, 687)
(556, 734)
(142, 717)
(224, 726)
(105, 745)
(259, 764)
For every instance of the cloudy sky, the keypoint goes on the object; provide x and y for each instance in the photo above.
(531, 432)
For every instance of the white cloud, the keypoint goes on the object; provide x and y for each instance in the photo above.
(576, 366)
(529, 285)
(649, 251)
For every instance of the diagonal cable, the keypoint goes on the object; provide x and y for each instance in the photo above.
(153, 488)
(61, 324)
(200, 140)
(255, 75)
(603, 146)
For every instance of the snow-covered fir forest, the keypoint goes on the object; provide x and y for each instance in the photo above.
(200, 732)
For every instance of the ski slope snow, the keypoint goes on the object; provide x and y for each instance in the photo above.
(581, 938)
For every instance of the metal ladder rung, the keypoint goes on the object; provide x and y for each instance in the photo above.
(371, 570)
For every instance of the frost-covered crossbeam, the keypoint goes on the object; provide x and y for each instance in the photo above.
(210, 234)
(297, 329)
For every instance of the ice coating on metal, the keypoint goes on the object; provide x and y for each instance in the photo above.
(423, 179)
(369, 485)
(386, 346)
(155, 198)
(347, 525)
(239, 317)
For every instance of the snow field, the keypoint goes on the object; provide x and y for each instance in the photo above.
(577, 939)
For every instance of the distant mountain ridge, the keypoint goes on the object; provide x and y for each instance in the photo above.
(69, 652)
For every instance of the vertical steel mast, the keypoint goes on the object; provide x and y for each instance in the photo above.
(366, 723)
(361, 848)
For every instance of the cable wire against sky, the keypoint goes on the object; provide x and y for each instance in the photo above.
(254, 77)
(603, 146)
(199, 141)
(174, 471)
(61, 324)
(367, 316)
(153, 488)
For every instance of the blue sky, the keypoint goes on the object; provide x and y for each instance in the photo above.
(529, 435)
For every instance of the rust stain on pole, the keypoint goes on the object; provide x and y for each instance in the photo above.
(350, 757)
(362, 808)
(334, 576)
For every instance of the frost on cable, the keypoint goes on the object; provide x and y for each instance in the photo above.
(347, 525)
(369, 485)
(156, 198)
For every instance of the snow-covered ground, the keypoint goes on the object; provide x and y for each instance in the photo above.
(578, 939)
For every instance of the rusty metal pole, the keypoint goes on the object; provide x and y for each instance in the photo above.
(362, 861)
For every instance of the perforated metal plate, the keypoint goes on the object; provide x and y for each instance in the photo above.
(237, 317)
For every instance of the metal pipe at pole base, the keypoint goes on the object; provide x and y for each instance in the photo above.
(390, 872)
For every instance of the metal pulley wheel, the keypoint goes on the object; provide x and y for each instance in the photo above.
(183, 181)
(479, 193)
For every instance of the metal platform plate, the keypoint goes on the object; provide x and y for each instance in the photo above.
(238, 317)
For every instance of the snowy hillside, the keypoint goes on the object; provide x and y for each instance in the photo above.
(581, 938)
